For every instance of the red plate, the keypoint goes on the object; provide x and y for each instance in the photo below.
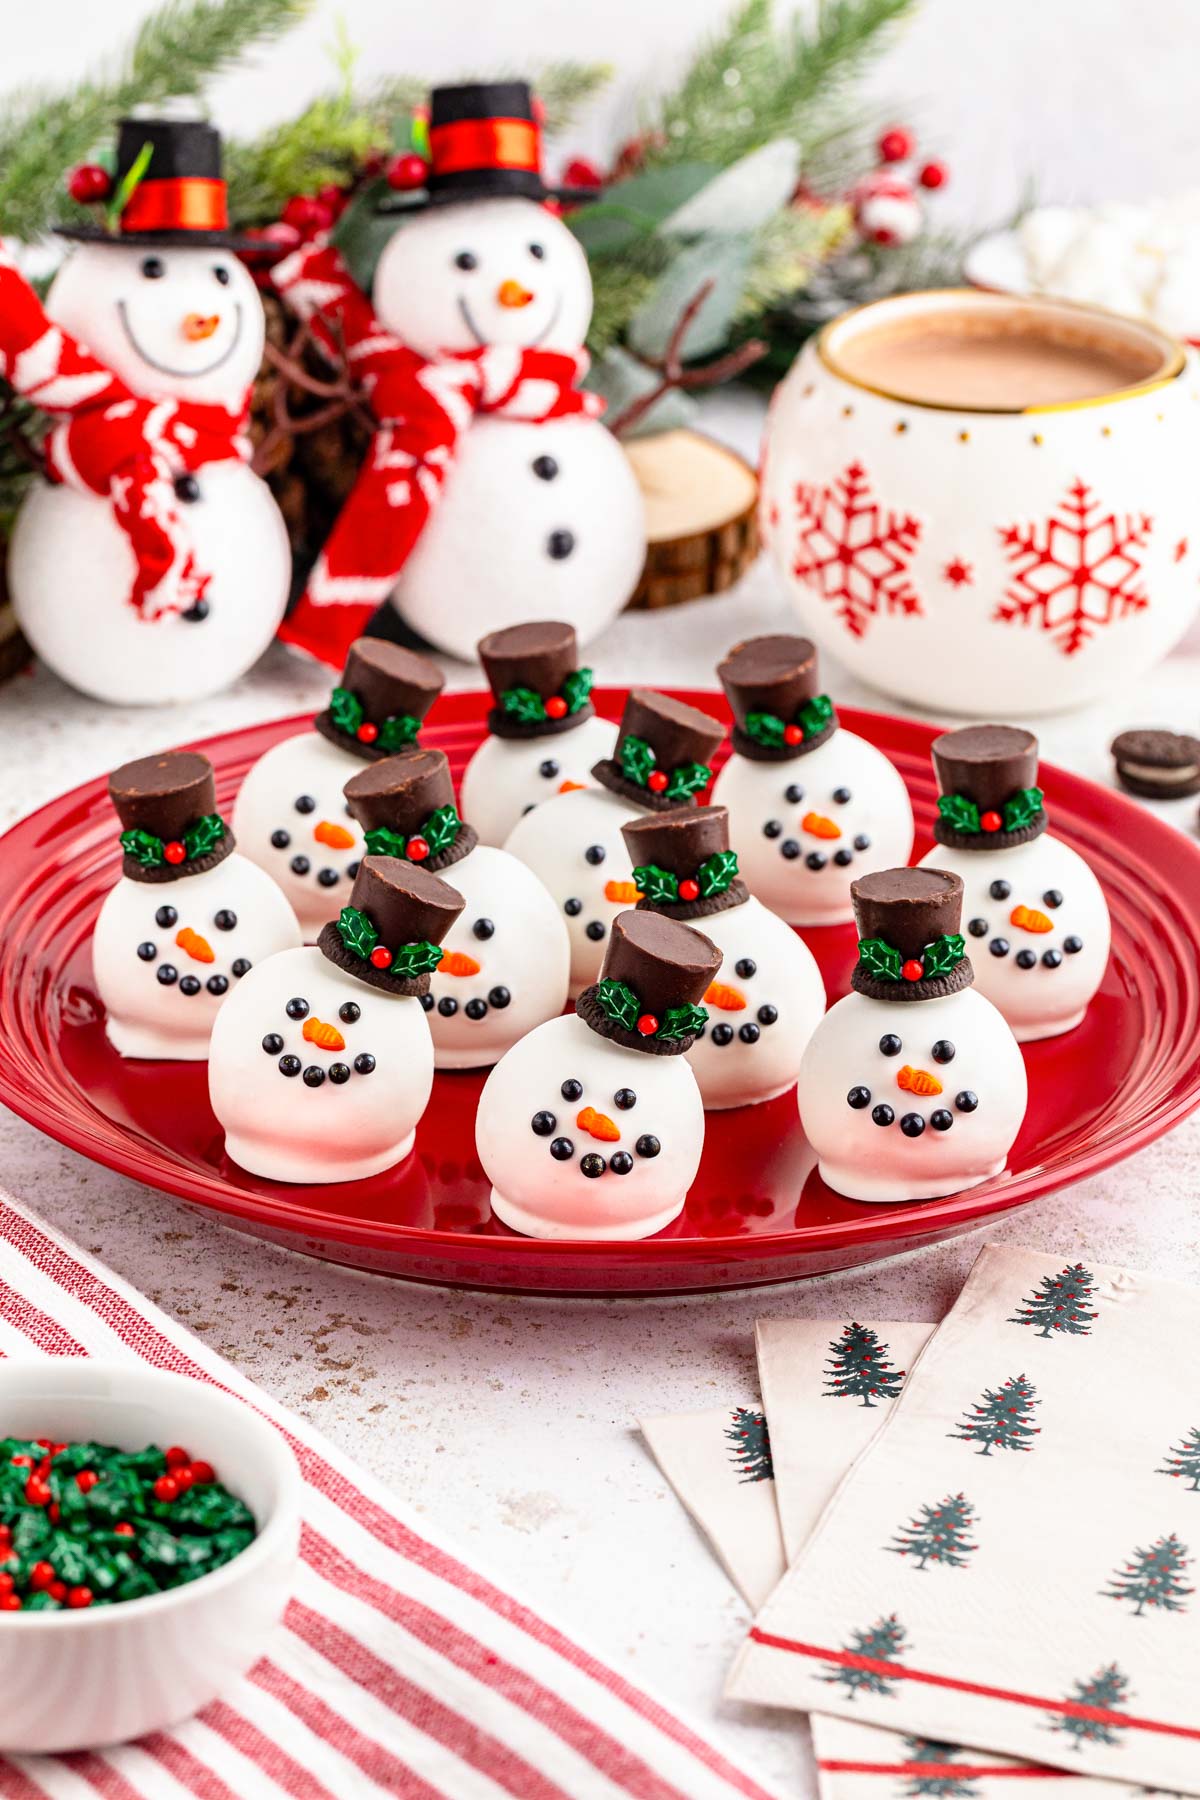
(758, 1211)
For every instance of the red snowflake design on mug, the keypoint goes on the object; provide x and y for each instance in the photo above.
(1076, 572)
(853, 551)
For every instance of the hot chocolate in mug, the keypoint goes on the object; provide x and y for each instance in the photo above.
(987, 505)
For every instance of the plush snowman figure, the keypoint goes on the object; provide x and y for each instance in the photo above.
(291, 815)
(593, 1125)
(543, 733)
(913, 1085)
(573, 843)
(324, 1066)
(154, 566)
(811, 806)
(188, 919)
(505, 962)
(1033, 905)
(769, 996)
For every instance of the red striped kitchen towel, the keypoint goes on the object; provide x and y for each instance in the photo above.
(399, 1668)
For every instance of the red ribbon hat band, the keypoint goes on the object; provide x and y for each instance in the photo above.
(494, 143)
(182, 203)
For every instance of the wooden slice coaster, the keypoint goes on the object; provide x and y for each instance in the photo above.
(701, 500)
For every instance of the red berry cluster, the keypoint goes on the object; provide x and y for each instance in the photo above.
(898, 144)
(89, 184)
(656, 781)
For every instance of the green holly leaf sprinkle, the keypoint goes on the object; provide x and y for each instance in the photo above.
(384, 842)
(204, 835)
(144, 847)
(357, 932)
(658, 886)
(879, 958)
(441, 830)
(682, 1021)
(577, 689)
(688, 779)
(765, 728)
(416, 959)
(397, 732)
(346, 710)
(944, 954)
(815, 715)
(1022, 809)
(716, 873)
(959, 813)
(523, 704)
(619, 1002)
(637, 760)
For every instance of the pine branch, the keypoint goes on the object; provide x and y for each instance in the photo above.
(564, 87)
(786, 253)
(176, 51)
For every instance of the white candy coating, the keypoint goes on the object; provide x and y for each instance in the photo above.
(878, 809)
(70, 565)
(785, 978)
(1043, 1001)
(553, 841)
(866, 1161)
(535, 1193)
(148, 1018)
(305, 767)
(277, 1126)
(527, 953)
(506, 776)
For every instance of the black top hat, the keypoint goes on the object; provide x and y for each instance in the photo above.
(391, 933)
(909, 944)
(655, 973)
(176, 192)
(989, 798)
(534, 674)
(682, 862)
(772, 685)
(167, 805)
(379, 705)
(485, 143)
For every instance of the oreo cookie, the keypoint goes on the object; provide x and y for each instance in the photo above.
(1157, 765)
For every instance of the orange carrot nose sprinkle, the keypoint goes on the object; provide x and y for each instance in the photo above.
(598, 1125)
(817, 825)
(511, 293)
(325, 1037)
(457, 962)
(918, 1081)
(725, 998)
(198, 326)
(198, 948)
(622, 893)
(1027, 918)
(571, 787)
(335, 836)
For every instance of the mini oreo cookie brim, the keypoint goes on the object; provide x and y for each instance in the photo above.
(1157, 765)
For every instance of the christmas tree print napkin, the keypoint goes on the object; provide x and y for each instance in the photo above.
(1010, 1564)
(719, 1464)
(827, 1389)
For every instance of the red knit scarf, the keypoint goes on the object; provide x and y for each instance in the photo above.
(112, 443)
(422, 408)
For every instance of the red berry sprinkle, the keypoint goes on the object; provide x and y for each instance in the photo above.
(124, 1529)
(79, 1596)
(89, 183)
(933, 175)
(41, 1575)
(183, 1479)
(896, 144)
(36, 1491)
(913, 970)
(57, 1591)
(6, 1582)
(990, 821)
(176, 1457)
(647, 1024)
(174, 851)
(792, 734)
(22, 1462)
(689, 889)
(10, 1602)
(416, 849)
(53, 1512)
(166, 1489)
(86, 1480)
(203, 1473)
(367, 733)
(556, 707)
(381, 957)
(656, 781)
(407, 172)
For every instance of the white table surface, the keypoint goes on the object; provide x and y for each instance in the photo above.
(510, 1421)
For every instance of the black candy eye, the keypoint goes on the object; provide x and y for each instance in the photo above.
(297, 1008)
(281, 839)
(1000, 890)
(483, 928)
(842, 796)
(794, 794)
(538, 251)
(222, 274)
(943, 1051)
(890, 1044)
(571, 1090)
(165, 916)
(746, 968)
(466, 259)
(305, 803)
(572, 908)
(549, 769)
(1052, 898)
(153, 268)
(225, 920)
(624, 1098)
(543, 1123)
(595, 853)
(349, 1012)
(978, 927)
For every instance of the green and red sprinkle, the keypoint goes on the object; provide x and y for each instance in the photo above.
(89, 1525)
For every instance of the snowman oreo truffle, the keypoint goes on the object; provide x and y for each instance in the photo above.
(324, 1066)
(290, 815)
(505, 961)
(769, 995)
(543, 733)
(1036, 917)
(811, 806)
(913, 1085)
(573, 843)
(189, 917)
(593, 1125)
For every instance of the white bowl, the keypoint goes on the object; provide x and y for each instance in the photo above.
(98, 1676)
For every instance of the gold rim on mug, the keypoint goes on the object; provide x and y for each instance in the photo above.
(1175, 357)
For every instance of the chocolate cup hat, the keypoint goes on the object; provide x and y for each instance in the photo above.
(773, 688)
(388, 936)
(690, 847)
(383, 696)
(663, 753)
(167, 806)
(654, 976)
(989, 798)
(910, 946)
(405, 805)
(534, 674)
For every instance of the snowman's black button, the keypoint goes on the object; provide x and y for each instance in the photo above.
(624, 1099)
(592, 1165)
(572, 908)
(281, 839)
(339, 1073)
(1051, 958)
(999, 946)
(767, 1015)
(571, 1090)
(476, 1009)
(789, 849)
(466, 260)
(543, 1123)
(313, 1076)
(364, 1063)
(483, 928)
(217, 984)
(328, 877)
(147, 951)
(862, 841)
(1000, 890)
(978, 927)
(562, 1149)
(272, 1043)
(882, 1114)
(1072, 945)
(1052, 898)
(447, 1006)
(560, 544)
(749, 1034)
(966, 1101)
(843, 858)
(300, 865)
(912, 1124)
(746, 968)
(297, 1008)
(943, 1051)
(289, 1065)
(794, 794)
(621, 1163)
(889, 1044)
(1026, 959)
(197, 612)
(225, 920)
(499, 997)
(189, 985)
(167, 974)
(773, 828)
(816, 859)
(349, 1012)
(722, 1034)
(648, 1145)
(187, 489)
(545, 468)
(165, 916)
(549, 769)
(596, 930)
(941, 1120)
(241, 966)
(858, 1097)
(595, 853)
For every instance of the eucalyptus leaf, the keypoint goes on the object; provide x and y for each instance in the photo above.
(742, 198)
(724, 261)
(637, 207)
(362, 233)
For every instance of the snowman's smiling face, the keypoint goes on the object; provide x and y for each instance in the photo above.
(317, 1049)
(484, 272)
(185, 322)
